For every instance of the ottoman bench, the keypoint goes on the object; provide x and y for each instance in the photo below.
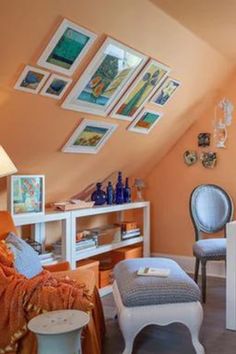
(145, 300)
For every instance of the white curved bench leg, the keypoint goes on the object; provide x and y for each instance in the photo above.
(194, 323)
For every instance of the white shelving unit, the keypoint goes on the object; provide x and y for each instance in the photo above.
(70, 222)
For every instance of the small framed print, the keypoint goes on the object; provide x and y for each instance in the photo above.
(106, 78)
(26, 195)
(67, 48)
(145, 121)
(56, 86)
(89, 137)
(31, 79)
(140, 91)
(165, 92)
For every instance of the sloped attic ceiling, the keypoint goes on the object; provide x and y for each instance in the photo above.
(34, 128)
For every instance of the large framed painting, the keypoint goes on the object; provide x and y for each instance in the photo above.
(67, 48)
(31, 79)
(166, 92)
(145, 121)
(140, 91)
(106, 78)
(26, 195)
(56, 86)
(89, 137)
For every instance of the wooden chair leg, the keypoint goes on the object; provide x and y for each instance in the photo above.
(203, 264)
(197, 261)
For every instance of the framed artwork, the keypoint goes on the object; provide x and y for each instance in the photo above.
(165, 92)
(56, 86)
(31, 79)
(145, 121)
(26, 195)
(105, 79)
(67, 48)
(140, 91)
(89, 137)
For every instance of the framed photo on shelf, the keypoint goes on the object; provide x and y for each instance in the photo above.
(31, 79)
(26, 195)
(106, 78)
(140, 91)
(165, 92)
(56, 86)
(67, 48)
(145, 121)
(89, 137)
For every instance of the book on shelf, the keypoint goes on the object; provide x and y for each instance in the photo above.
(157, 272)
(130, 234)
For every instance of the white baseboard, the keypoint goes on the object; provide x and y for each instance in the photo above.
(214, 268)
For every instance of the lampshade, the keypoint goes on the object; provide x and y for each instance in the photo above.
(7, 167)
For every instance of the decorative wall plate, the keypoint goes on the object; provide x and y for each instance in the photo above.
(209, 159)
(190, 157)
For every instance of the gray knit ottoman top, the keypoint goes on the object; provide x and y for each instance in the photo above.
(137, 290)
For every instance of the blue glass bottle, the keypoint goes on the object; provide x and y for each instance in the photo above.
(110, 194)
(127, 192)
(99, 196)
(119, 190)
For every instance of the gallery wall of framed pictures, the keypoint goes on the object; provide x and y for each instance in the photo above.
(120, 82)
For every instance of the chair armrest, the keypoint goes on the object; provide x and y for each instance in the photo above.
(62, 266)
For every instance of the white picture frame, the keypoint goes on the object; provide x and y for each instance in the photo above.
(158, 98)
(49, 91)
(85, 95)
(141, 90)
(91, 127)
(31, 79)
(133, 127)
(50, 58)
(26, 195)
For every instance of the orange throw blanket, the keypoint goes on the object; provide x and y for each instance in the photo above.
(22, 299)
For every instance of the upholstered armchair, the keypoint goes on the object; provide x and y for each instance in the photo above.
(92, 342)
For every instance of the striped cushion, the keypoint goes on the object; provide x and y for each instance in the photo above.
(138, 290)
(212, 248)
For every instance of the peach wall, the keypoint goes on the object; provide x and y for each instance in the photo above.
(171, 182)
(34, 128)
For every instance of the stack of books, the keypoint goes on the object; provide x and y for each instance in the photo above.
(49, 258)
(131, 233)
(85, 244)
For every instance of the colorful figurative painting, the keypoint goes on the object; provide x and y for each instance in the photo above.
(67, 47)
(165, 92)
(56, 86)
(140, 91)
(27, 194)
(105, 79)
(144, 121)
(31, 79)
(89, 137)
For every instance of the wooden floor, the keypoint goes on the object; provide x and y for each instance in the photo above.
(175, 339)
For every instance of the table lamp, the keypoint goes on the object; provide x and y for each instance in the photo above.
(7, 167)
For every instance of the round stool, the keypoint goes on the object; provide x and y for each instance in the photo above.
(59, 331)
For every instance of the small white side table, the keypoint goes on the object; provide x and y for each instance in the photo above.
(59, 331)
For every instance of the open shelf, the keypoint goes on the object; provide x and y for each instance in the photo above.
(107, 248)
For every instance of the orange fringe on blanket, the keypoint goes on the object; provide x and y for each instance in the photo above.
(22, 299)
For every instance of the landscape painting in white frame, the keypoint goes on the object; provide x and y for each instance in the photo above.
(145, 121)
(89, 137)
(165, 92)
(105, 79)
(140, 91)
(26, 195)
(67, 48)
(31, 79)
(56, 86)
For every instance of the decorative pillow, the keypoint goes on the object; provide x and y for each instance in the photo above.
(26, 260)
